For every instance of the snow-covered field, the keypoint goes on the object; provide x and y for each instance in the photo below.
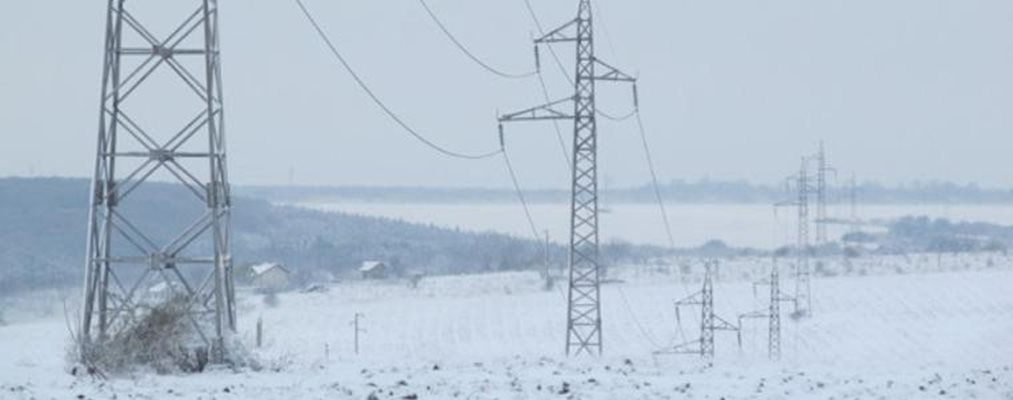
(743, 225)
(941, 329)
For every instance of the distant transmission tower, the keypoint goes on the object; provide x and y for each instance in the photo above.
(772, 313)
(710, 322)
(584, 301)
(803, 186)
(132, 263)
(803, 269)
(822, 193)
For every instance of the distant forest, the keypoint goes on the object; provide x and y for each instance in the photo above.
(678, 191)
(43, 224)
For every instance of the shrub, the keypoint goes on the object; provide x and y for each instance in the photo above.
(271, 299)
(161, 338)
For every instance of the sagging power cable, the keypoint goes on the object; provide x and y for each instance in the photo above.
(387, 110)
(520, 194)
(654, 180)
(464, 49)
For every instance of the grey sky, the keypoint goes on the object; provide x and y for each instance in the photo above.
(734, 89)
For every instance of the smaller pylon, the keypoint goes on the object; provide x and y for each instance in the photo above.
(772, 313)
(802, 184)
(709, 321)
(823, 170)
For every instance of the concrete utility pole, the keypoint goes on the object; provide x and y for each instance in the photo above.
(125, 256)
(583, 328)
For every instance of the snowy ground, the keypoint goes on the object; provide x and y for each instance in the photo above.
(939, 330)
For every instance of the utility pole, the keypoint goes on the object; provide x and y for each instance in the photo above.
(357, 329)
(126, 258)
(710, 322)
(583, 327)
(547, 274)
(853, 199)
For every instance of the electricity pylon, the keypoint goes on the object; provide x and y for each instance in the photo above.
(822, 190)
(803, 185)
(132, 264)
(584, 300)
(772, 313)
(710, 322)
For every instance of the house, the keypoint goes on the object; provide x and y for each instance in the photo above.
(272, 276)
(374, 270)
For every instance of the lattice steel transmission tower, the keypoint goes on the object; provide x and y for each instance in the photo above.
(161, 119)
(773, 311)
(584, 325)
(823, 169)
(803, 186)
(710, 322)
(803, 269)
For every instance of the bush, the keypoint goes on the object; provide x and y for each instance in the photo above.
(162, 339)
(271, 299)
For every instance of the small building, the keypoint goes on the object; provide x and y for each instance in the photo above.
(272, 276)
(374, 270)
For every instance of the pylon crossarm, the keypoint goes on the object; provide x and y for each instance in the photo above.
(720, 324)
(693, 299)
(690, 347)
(559, 34)
(785, 298)
(752, 315)
(605, 72)
(540, 113)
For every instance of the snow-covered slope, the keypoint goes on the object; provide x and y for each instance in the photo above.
(926, 335)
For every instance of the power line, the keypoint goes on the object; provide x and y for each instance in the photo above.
(555, 123)
(643, 331)
(520, 193)
(654, 180)
(467, 52)
(390, 113)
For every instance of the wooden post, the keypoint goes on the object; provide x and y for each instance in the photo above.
(260, 331)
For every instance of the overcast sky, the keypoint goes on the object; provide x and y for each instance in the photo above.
(900, 90)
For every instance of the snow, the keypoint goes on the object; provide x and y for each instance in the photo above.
(940, 329)
(260, 269)
(368, 266)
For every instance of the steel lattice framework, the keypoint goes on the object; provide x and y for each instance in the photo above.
(773, 311)
(803, 267)
(802, 183)
(710, 322)
(823, 170)
(584, 324)
(127, 257)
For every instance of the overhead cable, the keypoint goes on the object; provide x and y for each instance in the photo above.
(387, 110)
(468, 53)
